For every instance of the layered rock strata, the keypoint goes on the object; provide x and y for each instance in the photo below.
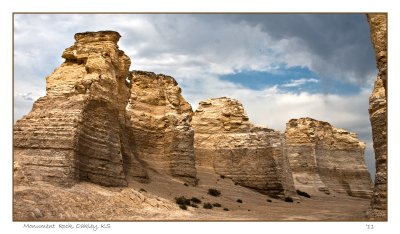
(80, 130)
(324, 158)
(160, 119)
(251, 156)
(378, 116)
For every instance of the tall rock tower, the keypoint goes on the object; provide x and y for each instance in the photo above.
(80, 131)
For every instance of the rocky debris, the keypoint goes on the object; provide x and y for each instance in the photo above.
(251, 156)
(324, 158)
(87, 201)
(378, 116)
(160, 118)
(80, 131)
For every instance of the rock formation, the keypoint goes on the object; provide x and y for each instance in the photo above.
(160, 119)
(324, 158)
(378, 116)
(80, 130)
(252, 156)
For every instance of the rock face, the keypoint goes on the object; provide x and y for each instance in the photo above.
(80, 131)
(378, 116)
(160, 119)
(324, 158)
(252, 156)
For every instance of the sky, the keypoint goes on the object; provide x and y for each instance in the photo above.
(279, 66)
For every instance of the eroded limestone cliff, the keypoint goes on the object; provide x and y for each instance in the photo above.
(251, 156)
(80, 130)
(324, 158)
(160, 118)
(378, 116)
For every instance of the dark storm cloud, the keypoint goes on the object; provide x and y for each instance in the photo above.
(340, 43)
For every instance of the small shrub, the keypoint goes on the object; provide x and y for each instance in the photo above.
(183, 207)
(226, 209)
(216, 205)
(269, 200)
(142, 190)
(194, 205)
(222, 176)
(207, 206)
(186, 184)
(239, 201)
(182, 201)
(288, 199)
(236, 183)
(304, 194)
(214, 192)
(195, 200)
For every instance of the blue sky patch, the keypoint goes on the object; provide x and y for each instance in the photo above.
(291, 79)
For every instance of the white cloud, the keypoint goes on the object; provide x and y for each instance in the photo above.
(299, 82)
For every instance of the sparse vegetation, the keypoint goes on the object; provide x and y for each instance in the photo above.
(182, 201)
(186, 184)
(214, 192)
(222, 176)
(216, 205)
(304, 194)
(183, 207)
(207, 205)
(288, 199)
(195, 200)
(226, 209)
(194, 205)
(239, 201)
(269, 200)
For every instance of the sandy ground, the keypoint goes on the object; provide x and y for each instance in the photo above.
(156, 201)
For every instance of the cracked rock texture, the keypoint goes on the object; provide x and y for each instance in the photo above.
(251, 156)
(325, 159)
(80, 131)
(378, 116)
(160, 119)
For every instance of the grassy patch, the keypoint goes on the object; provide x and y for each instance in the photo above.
(216, 205)
(207, 205)
(182, 201)
(195, 200)
(214, 192)
(288, 199)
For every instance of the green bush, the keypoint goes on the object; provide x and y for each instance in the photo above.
(182, 201)
(304, 194)
(195, 200)
(214, 192)
(288, 199)
(207, 206)
(216, 205)
(239, 201)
